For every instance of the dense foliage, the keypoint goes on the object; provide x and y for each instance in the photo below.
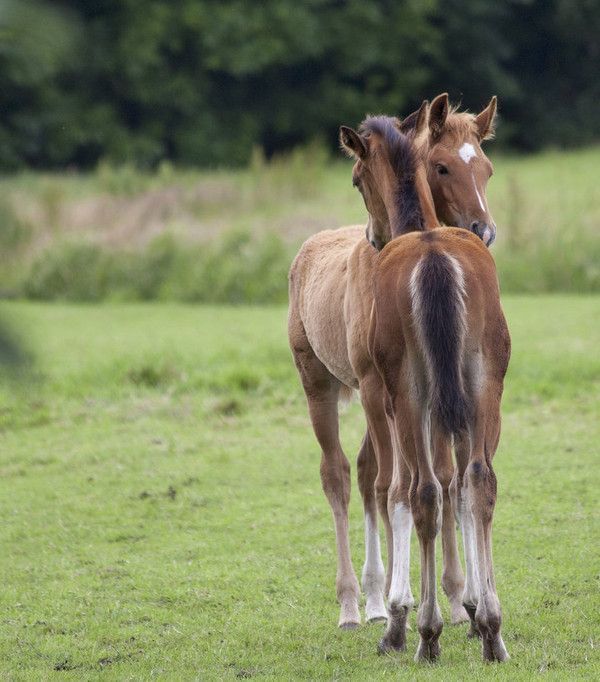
(203, 81)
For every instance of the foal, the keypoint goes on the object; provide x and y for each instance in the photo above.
(329, 312)
(441, 345)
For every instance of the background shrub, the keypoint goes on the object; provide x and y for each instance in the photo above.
(235, 269)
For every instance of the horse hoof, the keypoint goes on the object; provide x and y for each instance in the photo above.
(386, 646)
(493, 649)
(500, 658)
(473, 632)
(375, 611)
(349, 626)
(428, 652)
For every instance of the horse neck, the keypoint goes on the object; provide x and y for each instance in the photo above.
(430, 219)
(383, 228)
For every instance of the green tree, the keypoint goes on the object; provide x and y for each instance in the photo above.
(203, 81)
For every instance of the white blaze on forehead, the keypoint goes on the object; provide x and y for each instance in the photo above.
(467, 152)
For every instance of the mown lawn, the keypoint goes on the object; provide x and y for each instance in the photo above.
(162, 515)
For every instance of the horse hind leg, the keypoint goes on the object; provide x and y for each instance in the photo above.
(335, 479)
(322, 392)
(426, 507)
(453, 580)
(479, 492)
(373, 574)
(401, 600)
(462, 512)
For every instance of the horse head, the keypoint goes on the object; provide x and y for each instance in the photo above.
(457, 168)
(389, 177)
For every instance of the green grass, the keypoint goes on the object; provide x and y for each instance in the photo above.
(121, 234)
(162, 515)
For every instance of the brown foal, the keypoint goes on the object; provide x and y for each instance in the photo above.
(442, 142)
(330, 307)
(441, 345)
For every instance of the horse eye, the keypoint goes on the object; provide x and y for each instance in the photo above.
(441, 169)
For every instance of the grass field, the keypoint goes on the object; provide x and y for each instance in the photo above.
(162, 515)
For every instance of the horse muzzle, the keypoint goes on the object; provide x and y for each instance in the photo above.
(374, 241)
(486, 232)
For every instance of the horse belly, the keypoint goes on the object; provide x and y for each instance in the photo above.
(326, 332)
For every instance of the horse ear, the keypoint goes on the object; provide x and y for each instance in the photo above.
(438, 111)
(416, 120)
(353, 143)
(485, 121)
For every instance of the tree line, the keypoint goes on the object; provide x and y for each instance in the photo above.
(203, 82)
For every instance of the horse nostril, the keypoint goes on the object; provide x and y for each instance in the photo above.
(475, 226)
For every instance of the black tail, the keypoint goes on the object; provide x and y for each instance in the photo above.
(439, 312)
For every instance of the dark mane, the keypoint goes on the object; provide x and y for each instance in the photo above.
(402, 158)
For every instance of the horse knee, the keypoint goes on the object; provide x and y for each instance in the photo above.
(445, 475)
(482, 487)
(382, 489)
(335, 477)
(426, 505)
(366, 469)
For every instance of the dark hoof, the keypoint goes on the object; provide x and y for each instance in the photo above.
(395, 635)
(493, 648)
(349, 626)
(428, 652)
(494, 652)
(473, 632)
(429, 644)
(387, 646)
